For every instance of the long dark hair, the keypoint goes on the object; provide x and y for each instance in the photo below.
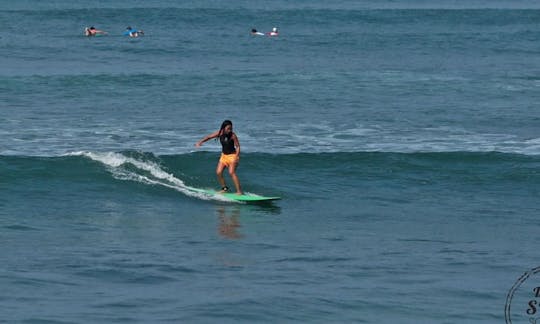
(223, 125)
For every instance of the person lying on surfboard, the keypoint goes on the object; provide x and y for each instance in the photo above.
(254, 32)
(230, 154)
(92, 31)
(133, 32)
(274, 32)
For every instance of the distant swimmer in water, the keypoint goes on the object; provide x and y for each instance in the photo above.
(92, 31)
(133, 32)
(254, 32)
(274, 32)
(230, 154)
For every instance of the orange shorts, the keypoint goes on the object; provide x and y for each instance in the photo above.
(229, 159)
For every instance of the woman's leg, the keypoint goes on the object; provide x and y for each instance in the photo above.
(219, 173)
(234, 177)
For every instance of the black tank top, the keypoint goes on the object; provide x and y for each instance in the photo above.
(227, 143)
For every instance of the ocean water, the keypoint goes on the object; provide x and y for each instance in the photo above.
(402, 136)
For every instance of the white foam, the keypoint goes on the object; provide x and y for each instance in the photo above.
(116, 163)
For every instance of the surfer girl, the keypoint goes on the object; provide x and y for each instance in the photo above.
(230, 154)
(92, 31)
(254, 32)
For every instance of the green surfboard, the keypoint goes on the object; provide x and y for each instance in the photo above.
(249, 197)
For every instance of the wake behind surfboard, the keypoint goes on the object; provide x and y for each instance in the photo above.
(148, 172)
(233, 196)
